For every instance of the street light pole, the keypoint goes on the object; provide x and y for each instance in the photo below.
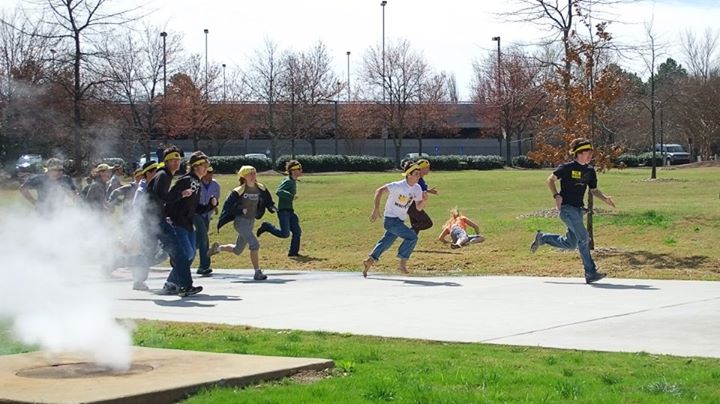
(348, 74)
(206, 62)
(164, 36)
(382, 4)
(224, 88)
(508, 160)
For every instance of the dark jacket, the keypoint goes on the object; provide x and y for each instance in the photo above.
(232, 207)
(158, 191)
(181, 211)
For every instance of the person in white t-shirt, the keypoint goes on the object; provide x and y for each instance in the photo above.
(400, 195)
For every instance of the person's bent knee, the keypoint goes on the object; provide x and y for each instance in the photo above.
(253, 245)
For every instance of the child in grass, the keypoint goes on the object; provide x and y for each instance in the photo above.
(456, 227)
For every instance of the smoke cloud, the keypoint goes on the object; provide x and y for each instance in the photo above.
(55, 289)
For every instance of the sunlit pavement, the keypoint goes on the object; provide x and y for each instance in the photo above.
(628, 315)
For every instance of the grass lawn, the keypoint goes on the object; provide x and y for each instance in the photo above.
(661, 229)
(371, 369)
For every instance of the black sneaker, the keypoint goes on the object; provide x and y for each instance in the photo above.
(537, 242)
(595, 277)
(262, 229)
(204, 271)
(189, 291)
(259, 276)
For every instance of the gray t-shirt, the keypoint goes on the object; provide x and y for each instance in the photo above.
(249, 201)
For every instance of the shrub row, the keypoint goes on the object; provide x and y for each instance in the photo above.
(231, 164)
(643, 159)
(332, 162)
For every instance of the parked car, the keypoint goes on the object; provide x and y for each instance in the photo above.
(415, 156)
(260, 156)
(29, 164)
(673, 154)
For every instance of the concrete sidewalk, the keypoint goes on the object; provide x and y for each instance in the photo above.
(624, 315)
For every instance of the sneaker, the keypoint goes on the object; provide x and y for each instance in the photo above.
(214, 249)
(259, 276)
(595, 277)
(204, 271)
(262, 229)
(189, 291)
(169, 288)
(140, 286)
(537, 242)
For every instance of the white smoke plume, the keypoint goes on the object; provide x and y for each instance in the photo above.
(55, 291)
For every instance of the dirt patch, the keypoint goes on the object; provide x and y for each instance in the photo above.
(311, 376)
(550, 213)
(709, 163)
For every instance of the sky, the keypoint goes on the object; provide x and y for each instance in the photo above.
(451, 33)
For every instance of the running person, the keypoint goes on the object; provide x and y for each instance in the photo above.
(209, 188)
(400, 195)
(289, 221)
(184, 203)
(456, 227)
(419, 219)
(575, 177)
(50, 188)
(242, 206)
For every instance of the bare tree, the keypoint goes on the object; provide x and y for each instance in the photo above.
(701, 54)
(406, 71)
(79, 24)
(262, 79)
(452, 88)
(134, 71)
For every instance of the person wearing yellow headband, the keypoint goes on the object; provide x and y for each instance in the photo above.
(419, 219)
(209, 188)
(289, 221)
(575, 177)
(185, 204)
(400, 195)
(245, 204)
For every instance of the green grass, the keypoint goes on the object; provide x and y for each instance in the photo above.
(374, 369)
(660, 229)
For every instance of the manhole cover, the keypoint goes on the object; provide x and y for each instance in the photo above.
(79, 371)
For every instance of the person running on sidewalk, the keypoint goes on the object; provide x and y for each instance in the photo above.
(184, 203)
(51, 188)
(400, 195)
(289, 221)
(575, 177)
(456, 227)
(419, 219)
(242, 206)
(209, 188)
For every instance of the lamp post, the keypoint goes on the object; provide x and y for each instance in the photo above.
(206, 62)
(164, 36)
(508, 160)
(224, 87)
(335, 127)
(382, 4)
(348, 74)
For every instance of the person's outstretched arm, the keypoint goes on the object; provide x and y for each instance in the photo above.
(376, 207)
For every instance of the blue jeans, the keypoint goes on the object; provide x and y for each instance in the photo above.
(289, 223)
(576, 237)
(202, 222)
(395, 228)
(184, 255)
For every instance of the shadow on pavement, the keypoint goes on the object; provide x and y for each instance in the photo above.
(190, 301)
(417, 282)
(270, 279)
(608, 285)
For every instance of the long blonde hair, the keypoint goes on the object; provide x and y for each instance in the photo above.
(454, 214)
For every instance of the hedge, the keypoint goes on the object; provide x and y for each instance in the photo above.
(332, 162)
(231, 164)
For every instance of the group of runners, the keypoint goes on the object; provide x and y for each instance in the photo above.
(173, 219)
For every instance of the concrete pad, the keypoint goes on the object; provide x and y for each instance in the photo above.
(157, 375)
(625, 315)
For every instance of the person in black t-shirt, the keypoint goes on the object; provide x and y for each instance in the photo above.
(575, 177)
